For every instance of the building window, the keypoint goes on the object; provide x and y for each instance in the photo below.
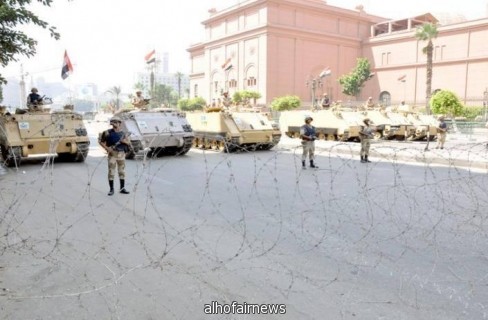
(438, 52)
(216, 86)
(232, 83)
(251, 81)
(385, 98)
(385, 58)
(195, 90)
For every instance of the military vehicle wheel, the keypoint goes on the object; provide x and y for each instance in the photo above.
(296, 135)
(10, 156)
(221, 145)
(321, 136)
(378, 135)
(330, 137)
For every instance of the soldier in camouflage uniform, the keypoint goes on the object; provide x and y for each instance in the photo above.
(116, 142)
(308, 135)
(365, 135)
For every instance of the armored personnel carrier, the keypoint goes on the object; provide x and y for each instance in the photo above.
(158, 132)
(332, 124)
(425, 126)
(385, 129)
(40, 133)
(405, 128)
(231, 131)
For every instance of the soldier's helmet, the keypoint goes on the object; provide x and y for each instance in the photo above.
(366, 120)
(33, 90)
(115, 119)
(441, 118)
(308, 118)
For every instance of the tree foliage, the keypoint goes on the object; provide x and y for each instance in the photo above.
(353, 82)
(162, 94)
(13, 42)
(115, 92)
(286, 103)
(446, 102)
(192, 104)
(245, 96)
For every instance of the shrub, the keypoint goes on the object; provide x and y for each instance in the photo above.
(286, 103)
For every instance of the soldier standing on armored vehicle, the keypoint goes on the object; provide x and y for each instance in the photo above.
(34, 100)
(138, 101)
(116, 142)
(308, 135)
(226, 101)
(366, 134)
(325, 101)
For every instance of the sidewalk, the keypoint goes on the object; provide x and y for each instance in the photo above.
(458, 152)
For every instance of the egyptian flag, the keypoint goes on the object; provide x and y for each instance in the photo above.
(150, 57)
(326, 72)
(227, 65)
(67, 66)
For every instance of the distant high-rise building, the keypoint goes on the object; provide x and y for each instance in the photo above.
(165, 62)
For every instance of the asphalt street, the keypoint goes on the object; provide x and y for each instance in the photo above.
(404, 237)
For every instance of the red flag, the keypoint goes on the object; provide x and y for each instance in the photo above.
(67, 68)
(227, 65)
(150, 57)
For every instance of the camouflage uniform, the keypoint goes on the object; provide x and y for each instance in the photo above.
(308, 135)
(116, 160)
(112, 141)
(366, 134)
(441, 133)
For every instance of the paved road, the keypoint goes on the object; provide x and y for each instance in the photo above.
(387, 240)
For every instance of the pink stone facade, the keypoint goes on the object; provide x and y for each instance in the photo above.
(279, 47)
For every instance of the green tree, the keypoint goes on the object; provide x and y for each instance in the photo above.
(13, 41)
(192, 104)
(161, 95)
(353, 82)
(286, 103)
(248, 95)
(446, 102)
(237, 97)
(427, 32)
(115, 92)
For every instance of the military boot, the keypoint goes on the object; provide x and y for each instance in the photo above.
(362, 159)
(312, 165)
(111, 184)
(122, 187)
(303, 164)
(366, 159)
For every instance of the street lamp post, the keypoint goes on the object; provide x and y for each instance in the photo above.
(313, 84)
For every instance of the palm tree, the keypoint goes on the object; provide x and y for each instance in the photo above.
(178, 76)
(116, 91)
(427, 32)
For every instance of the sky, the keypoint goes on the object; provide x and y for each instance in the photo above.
(107, 40)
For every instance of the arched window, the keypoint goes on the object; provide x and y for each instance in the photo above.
(251, 79)
(385, 99)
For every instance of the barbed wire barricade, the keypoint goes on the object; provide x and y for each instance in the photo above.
(402, 237)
